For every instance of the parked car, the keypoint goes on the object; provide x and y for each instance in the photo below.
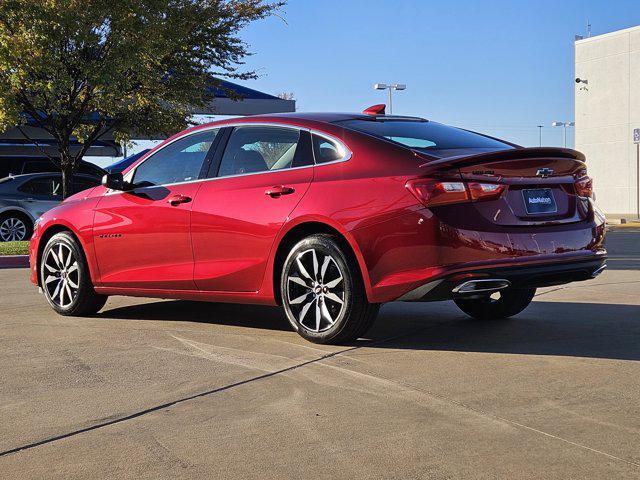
(121, 165)
(10, 165)
(24, 198)
(330, 216)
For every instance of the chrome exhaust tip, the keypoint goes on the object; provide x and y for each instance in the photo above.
(484, 285)
(598, 271)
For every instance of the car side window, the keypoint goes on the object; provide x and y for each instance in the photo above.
(253, 149)
(326, 150)
(180, 161)
(43, 187)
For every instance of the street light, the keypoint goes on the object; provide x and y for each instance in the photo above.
(540, 134)
(564, 125)
(394, 86)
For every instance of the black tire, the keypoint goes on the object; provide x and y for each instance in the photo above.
(8, 220)
(510, 303)
(351, 318)
(66, 282)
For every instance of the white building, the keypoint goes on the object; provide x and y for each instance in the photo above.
(607, 108)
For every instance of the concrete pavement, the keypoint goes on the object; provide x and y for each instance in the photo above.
(167, 389)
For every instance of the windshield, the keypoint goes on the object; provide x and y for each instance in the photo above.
(431, 138)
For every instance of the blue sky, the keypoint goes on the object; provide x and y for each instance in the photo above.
(499, 67)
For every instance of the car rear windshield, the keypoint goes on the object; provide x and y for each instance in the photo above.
(431, 138)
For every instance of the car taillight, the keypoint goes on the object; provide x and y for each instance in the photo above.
(584, 186)
(432, 193)
(485, 191)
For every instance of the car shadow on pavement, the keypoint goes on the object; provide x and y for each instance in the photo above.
(252, 316)
(594, 330)
(591, 330)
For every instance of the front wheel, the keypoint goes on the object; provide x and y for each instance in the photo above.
(65, 278)
(323, 294)
(503, 304)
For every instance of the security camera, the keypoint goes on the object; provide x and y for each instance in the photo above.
(580, 80)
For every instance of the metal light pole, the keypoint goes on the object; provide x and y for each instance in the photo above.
(540, 134)
(564, 125)
(389, 87)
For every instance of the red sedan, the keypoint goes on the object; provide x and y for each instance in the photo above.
(328, 215)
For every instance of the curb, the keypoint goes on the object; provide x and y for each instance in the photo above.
(621, 226)
(14, 261)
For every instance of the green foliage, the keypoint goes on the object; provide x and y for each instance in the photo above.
(131, 67)
(14, 248)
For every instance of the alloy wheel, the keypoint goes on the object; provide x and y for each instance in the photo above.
(61, 275)
(12, 230)
(315, 290)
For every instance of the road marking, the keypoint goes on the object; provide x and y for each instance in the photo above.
(206, 393)
(482, 413)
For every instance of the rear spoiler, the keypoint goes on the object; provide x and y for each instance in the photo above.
(511, 154)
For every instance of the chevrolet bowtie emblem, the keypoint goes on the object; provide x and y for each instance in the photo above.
(544, 172)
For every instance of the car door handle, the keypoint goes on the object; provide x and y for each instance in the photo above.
(178, 199)
(278, 190)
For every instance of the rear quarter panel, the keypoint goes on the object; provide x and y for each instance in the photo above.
(364, 191)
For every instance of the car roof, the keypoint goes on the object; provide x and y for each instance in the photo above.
(29, 176)
(303, 117)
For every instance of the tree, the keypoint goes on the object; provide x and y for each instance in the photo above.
(85, 68)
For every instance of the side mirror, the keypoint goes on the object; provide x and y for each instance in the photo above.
(114, 181)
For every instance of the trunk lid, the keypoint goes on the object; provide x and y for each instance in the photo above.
(540, 184)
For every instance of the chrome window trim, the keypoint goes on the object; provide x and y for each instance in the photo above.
(347, 156)
(131, 173)
(347, 152)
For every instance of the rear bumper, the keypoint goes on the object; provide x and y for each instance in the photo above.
(407, 253)
(517, 276)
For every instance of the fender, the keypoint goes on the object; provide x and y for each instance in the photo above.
(267, 290)
(82, 229)
(17, 209)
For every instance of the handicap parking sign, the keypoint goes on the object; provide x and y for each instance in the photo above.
(636, 135)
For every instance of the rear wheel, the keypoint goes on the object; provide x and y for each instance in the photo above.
(503, 304)
(65, 278)
(15, 227)
(323, 294)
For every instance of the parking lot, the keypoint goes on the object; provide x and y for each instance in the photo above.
(170, 389)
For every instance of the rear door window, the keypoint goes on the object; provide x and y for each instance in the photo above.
(43, 187)
(255, 149)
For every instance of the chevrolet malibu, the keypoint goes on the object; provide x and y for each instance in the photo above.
(329, 216)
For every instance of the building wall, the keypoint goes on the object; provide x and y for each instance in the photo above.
(607, 110)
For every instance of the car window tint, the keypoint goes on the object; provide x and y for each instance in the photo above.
(325, 150)
(254, 149)
(429, 137)
(180, 161)
(43, 186)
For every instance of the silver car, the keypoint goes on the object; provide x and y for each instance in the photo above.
(23, 198)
